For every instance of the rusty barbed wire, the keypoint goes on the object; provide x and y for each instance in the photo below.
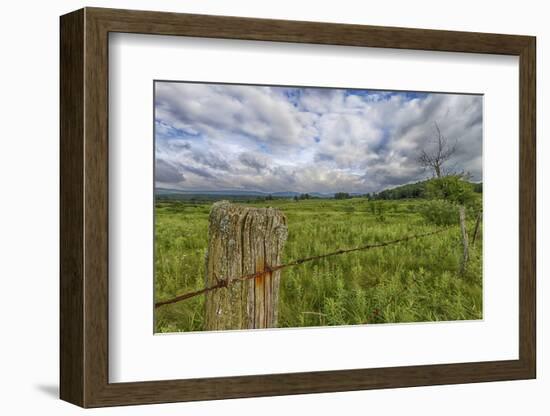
(224, 283)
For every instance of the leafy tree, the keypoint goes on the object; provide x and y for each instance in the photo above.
(342, 195)
(452, 188)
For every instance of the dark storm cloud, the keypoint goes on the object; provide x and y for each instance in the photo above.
(253, 161)
(323, 157)
(212, 160)
(202, 172)
(167, 173)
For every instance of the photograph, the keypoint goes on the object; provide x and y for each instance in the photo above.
(280, 206)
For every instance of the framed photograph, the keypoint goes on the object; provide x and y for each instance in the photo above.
(255, 207)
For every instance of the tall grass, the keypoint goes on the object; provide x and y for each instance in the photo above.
(413, 281)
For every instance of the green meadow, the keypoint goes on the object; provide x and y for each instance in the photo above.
(414, 281)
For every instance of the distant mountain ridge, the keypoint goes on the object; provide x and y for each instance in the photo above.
(240, 192)
(411, 190)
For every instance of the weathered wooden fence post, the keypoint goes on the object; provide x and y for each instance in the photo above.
(464, 232)
(243, 241)
(476, 228)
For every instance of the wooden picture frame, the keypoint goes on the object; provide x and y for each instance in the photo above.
(84, 207)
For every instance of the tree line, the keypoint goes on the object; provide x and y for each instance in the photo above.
(416, 190)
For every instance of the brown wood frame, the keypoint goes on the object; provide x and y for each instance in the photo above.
(84, 208)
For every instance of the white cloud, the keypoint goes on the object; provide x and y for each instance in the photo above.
(305, 140)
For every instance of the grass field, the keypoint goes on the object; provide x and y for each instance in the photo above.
(414, 281)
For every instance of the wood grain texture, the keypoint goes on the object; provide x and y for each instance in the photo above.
(226, 27)
(84, 207)
(527, 208)
(71, 213)
(242, 241)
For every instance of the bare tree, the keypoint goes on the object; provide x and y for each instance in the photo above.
(435, 158)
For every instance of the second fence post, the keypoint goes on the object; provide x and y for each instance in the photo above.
(241, 241)
(464, 233)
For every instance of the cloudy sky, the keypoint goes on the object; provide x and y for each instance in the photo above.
(274, 139)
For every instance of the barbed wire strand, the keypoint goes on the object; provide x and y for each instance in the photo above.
(221, 283)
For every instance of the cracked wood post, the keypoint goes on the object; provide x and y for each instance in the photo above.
(476, 228)
(464, 232)
(241, 241)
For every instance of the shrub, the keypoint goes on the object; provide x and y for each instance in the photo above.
(451, 188)
(439, 212)
(377, 207)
